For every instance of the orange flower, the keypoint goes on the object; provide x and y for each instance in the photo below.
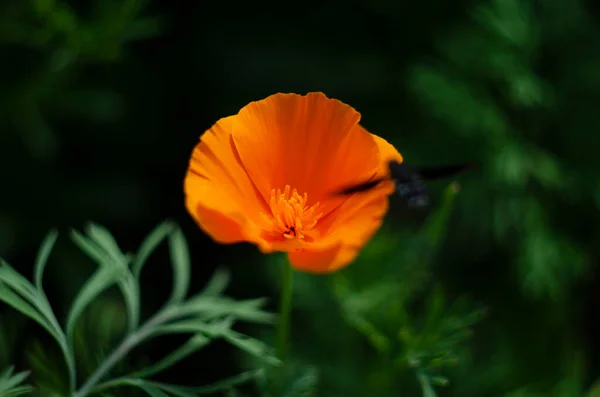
(266, 176)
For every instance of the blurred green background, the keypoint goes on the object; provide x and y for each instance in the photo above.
(102, 102)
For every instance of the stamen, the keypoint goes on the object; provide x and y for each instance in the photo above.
(291, 217)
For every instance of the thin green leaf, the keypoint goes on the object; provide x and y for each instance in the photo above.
(16, 281)
(27, 291)
(152, 388)
(19, 304)
(214, 329)
(149, 244)
(180, 259)
(100, 281)
(105, 240)
(178, 391)
(6, 374)
(220, 386)
(193, 344)
(18, 391)
(43, 255)
(434, 309)
(92, 249)
(439, 380)
(153, 391)
(35, 299)
(426, 388)
(207, 307)
(230, 382)
(16, 379)
(223, 329)
(436, 224)
(102, 248)
(377, 339)
(303, 383)
(251, 346)
(217, 283)
(49, 376)
(131, 293)
(9, 383)
(33, 303)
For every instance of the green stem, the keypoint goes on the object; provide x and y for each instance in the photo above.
(122, 350)
(70, 361)
(426, 387)
(283, 328)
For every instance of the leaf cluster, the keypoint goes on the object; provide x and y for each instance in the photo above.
(205, 316)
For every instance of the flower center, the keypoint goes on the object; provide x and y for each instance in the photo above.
(290, 215)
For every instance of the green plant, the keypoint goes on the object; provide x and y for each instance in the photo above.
(10, 384)
(206, 316)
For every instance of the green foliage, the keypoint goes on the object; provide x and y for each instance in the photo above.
(205, 316)
(390, 334)
(427, 342)
(11, 384)
(62, 42)
(293, 380)
(88, 103)
(496, 53)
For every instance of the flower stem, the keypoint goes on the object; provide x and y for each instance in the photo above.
(283, 328)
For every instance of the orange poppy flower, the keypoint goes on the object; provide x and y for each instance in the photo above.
(266, 176)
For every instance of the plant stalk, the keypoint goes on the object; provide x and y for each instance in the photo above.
(426, 388)
(131, 341)
(283, 327)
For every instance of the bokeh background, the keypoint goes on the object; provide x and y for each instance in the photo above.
(102, 102)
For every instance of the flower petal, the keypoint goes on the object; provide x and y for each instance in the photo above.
(219, 194)
(308, 142)
(387, 153)
(313, 144)
(323, 261)
(224, 225)
(350, 226)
